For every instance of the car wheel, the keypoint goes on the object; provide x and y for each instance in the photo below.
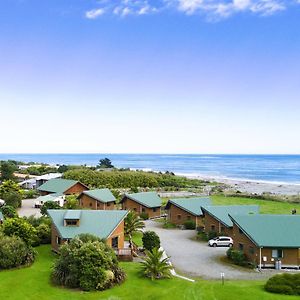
(214, 245)
(230, 245)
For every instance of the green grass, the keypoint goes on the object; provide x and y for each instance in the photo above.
(33, 283)
(266, 206)
(137, 238)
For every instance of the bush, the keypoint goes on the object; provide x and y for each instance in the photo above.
(150, 240)
(44, 233)
(14, 253)
(238, 257)
(287, 284)
(31, 194)
(21, 228)
(189, 224)
(49, 205)
(202, 236)
(11, 193)
(9, 211)
(144, 216)
(212, 235)
(71, 202)
(169, 225)
(87, 263)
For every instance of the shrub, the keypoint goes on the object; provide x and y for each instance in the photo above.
(144, 216)
(189, 224)
(287, 284)
(44, 233)
(202, 236)
(21, 228)
(168, 225)
(150, 240)
(87, 263)
(14, 253)
(31, 194)
(71, 202)
(212, 235)
(9, 211)
(12, 194)
(238, 257)
(49, 205)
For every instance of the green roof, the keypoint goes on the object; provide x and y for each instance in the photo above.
(1, 216)
(57, 185)
(102, 195)
(148, 199)
(221, 212)
(100, 223)
(191, 205)
(281, 231)
(72, 214)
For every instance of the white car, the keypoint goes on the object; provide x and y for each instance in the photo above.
(221, 241)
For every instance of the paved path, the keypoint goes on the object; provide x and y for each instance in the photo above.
(196, 259)
(28, 209)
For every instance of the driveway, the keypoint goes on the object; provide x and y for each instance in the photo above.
(196, 259)
(28, 209)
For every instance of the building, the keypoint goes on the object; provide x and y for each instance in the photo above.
(66, 224)
(56, 197)
(62, 186)
(181, 210)
(97, 199)
(40, 180)
(216, 218)
(268, 240)
(28, 184)
(143, 203)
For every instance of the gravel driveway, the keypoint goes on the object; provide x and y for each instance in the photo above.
(28, 209)
(196, 259)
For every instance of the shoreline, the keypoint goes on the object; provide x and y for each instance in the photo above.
(252, 186)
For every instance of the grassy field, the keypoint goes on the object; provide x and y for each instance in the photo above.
(33, 283)
(266, 206)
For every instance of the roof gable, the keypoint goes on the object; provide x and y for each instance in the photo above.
(191, 205)
(270, 230)
(221, 212)
(102, 195)
(57, 185)
(148, 199)
(100, 223)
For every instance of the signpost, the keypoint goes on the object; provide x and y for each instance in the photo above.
(222, 278)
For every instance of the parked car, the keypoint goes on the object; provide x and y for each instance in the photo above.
(221, 241)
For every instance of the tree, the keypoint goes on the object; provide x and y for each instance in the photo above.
(87, 263)
(14, 252)
(49, 205)
(155, 266)
(105, 163)
(150, 240)
(71, 202)
(133, 223)
(11, 192)
(7, 170)
(9, 211)
(21, 228)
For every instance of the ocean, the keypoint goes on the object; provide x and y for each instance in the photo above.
(267, 168)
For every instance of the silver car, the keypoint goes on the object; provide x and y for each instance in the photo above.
(221, 241)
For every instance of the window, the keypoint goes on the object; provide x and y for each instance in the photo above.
(178, 217)
(134, 208)
(154, 209)
(251, 250)
(58, 240)
(71, 222)
(108, 204)
(91, 204)
(241, 247)
(188, 217)
(213, 228)
(143, 209)
(277, 253)
(114, 242)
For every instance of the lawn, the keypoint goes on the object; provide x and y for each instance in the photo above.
(33, 283)
(266, 206)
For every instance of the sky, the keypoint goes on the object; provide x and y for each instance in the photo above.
(150, 76)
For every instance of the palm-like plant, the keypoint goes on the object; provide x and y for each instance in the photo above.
(133, 223)
(156, 267)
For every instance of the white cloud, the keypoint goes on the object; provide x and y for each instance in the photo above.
(212, 9)
(95, 13)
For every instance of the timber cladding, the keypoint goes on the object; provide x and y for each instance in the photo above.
(129, 204)
(76, 189)
(213, 224)
(290, 257)
(86, 201)
(178, 216)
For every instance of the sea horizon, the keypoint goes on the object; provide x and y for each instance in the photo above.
(269, 168)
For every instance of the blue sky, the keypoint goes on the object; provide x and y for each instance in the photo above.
(164, 76)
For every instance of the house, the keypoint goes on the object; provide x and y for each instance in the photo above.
(216, 218)
(105, 224)
(181, 210)
(97, 199)
(148, 203)
(1, 218)
(62, 186)
(268, 240)
(56, 197)
(28, 184)
(40, 180)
